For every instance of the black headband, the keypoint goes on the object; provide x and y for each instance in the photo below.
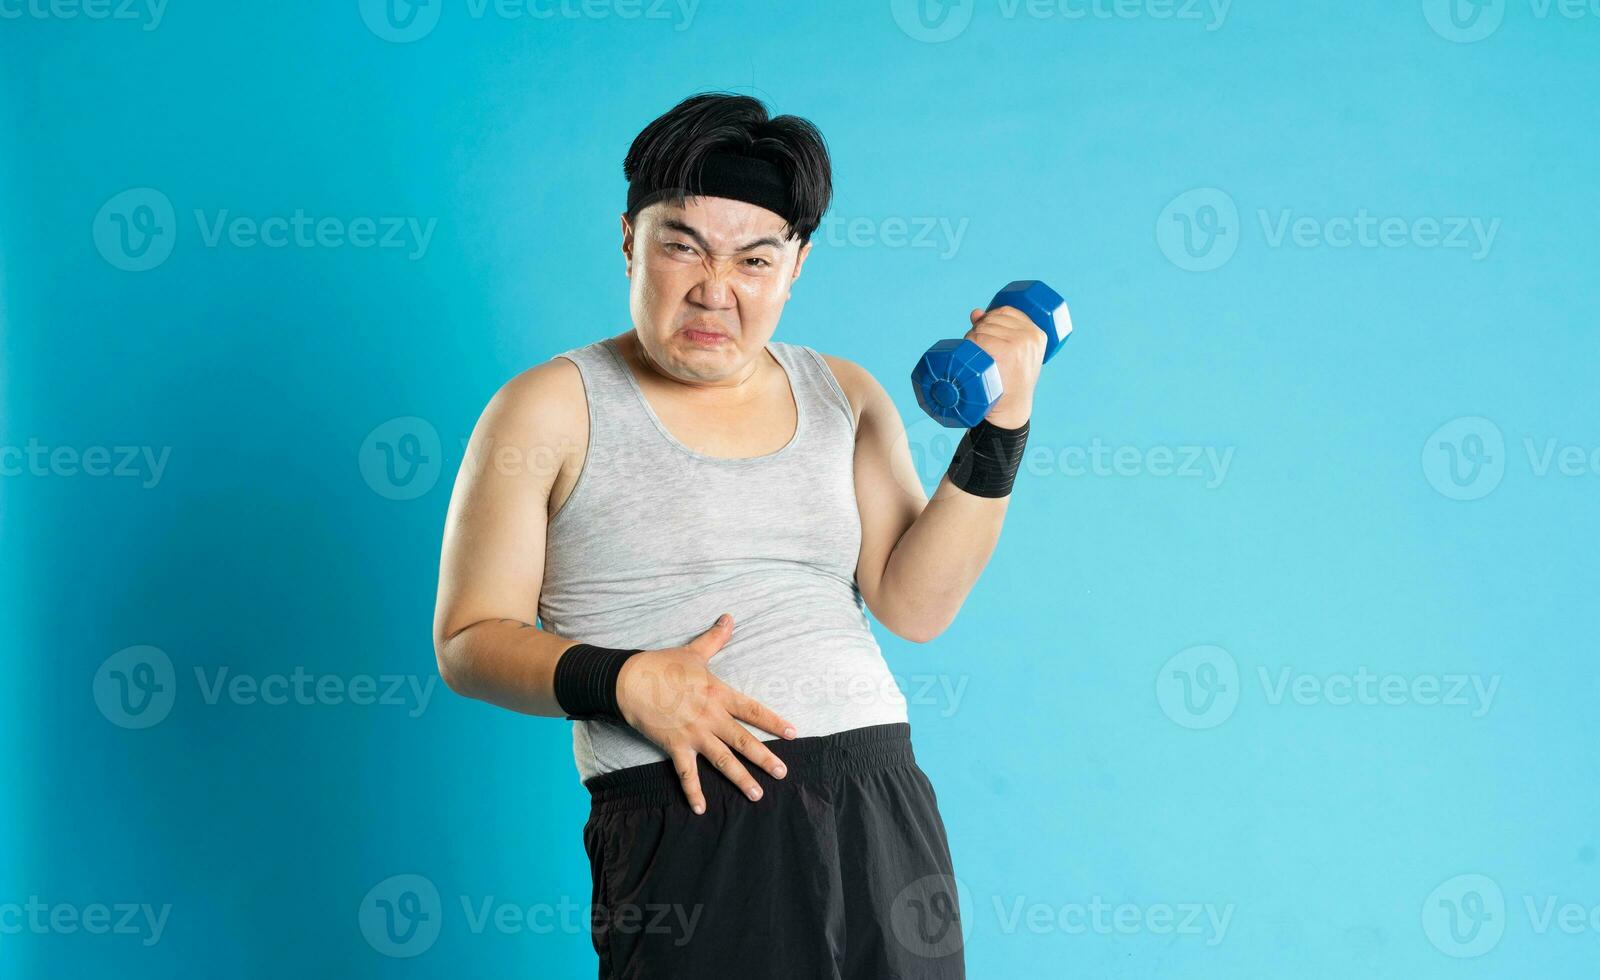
(738, 178)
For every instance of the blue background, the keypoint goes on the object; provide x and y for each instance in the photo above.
(1071, 767)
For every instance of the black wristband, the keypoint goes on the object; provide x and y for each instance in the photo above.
(986, 461)
(586, 681)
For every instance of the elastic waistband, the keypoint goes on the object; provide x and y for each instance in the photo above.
(807, 759)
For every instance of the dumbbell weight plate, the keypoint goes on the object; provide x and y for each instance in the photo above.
(957, 382)
(1044, 306)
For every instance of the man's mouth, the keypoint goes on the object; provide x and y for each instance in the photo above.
(701, 335)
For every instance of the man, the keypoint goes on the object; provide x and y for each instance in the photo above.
(718, 512)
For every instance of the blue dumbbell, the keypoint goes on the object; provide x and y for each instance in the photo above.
(957, 382)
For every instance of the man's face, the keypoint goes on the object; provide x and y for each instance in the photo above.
(708, 280)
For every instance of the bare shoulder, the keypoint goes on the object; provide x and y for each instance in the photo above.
(552, 387)
(860, 387)
(542, 406)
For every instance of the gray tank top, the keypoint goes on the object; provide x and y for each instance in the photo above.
(656, 540)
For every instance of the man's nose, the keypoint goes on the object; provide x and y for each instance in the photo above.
(714, 291)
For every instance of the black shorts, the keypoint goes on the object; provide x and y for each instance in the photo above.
(841, 871)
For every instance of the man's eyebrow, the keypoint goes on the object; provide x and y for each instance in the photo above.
(675, 225)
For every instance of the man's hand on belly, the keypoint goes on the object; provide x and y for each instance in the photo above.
(671, 697)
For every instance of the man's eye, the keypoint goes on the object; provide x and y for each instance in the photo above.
(760, 263)
(675, 246)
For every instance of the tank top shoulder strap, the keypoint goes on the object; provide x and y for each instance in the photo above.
(608, 397)
(815, 382)
(597, 364)
(613, 404)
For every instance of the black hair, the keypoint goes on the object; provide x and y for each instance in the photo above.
(670, 150)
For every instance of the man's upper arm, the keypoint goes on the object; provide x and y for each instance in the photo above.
(492, 562)
(889, 493)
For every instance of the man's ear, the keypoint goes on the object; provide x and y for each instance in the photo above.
(627, 246)
(800, 260)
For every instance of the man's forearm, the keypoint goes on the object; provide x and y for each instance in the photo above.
(505, 662)
(937, 561)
